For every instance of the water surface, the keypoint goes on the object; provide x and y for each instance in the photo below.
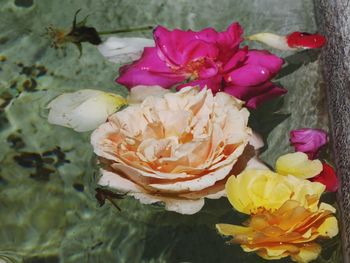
(48, 212)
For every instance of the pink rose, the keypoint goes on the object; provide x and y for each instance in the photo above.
(206, 59)
(308, 141)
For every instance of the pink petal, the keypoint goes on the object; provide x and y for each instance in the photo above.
(308, 141)
(179, 47)
(327, 177)
(254, 96)
(236, 59)
(229, 41)
(148, 70)
(208, 69)
(259, 67)
(211, 83)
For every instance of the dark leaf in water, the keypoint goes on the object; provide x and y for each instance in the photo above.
(49, 160)
(16, 141)
(42, 174)
(28, 160)
(59, 154)
(265, 118)
(42, 259)
(30, 85)
(5, 99)
(97, 245)
(24, 3)
(33, 71)
(2, 181)
(297, 60)
(78, 187)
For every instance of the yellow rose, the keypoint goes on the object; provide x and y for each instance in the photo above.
(291, 230)
(256, 190)
(286, 217)
(175, 148)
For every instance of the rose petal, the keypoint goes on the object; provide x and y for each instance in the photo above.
(308, 141)
(271, 40)
(179, 47)
(148, 70)
(328, 177)
(211, 83)
(259, 67)
(83, 110)
(255, 96)
(122, 50)
(298, 164)
(305, 40)
(182, 206)
(139, 93)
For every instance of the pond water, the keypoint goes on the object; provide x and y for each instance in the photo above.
(48, 212)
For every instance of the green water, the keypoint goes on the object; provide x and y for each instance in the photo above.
(48, 212)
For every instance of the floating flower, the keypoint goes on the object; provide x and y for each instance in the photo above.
(328, 177)
(84, 110)
(299, 165)
(291, 230)
(293, 41)
(178, 148)
(206, 59)
(286, 217)
(124, 49)
(253, 190)
(309, 141)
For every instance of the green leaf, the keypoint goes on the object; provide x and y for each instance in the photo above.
(265, 118)
(297, 60)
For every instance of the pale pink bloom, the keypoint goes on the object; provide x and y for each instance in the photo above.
(177, 148)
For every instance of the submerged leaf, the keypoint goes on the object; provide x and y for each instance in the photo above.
(297, 60)
(265, 118)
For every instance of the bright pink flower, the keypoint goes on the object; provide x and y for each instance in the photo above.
(327, 177)
(308, 141)
(206, 58)
(305, 40)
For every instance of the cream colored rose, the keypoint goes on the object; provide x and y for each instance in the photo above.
(176, 148)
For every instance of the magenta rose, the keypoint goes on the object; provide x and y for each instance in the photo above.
(206, 58)
(308, 141)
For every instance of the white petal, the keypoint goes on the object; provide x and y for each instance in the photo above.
(256, 164)
(123, 50)
(272, 40)
(256, 141)
(139, 93)
(117, 182)
(182, 206)
(83, 110)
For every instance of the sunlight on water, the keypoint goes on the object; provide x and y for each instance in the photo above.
(48, 212)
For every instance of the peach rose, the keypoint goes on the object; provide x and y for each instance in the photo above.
(175, 148)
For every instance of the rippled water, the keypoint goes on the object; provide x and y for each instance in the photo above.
(48, 212)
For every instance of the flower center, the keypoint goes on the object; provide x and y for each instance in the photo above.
(194, 67)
